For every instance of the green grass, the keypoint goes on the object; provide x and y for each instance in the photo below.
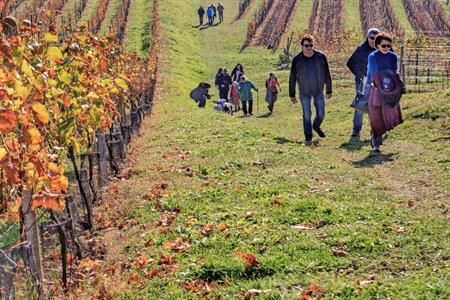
(111, 13)
(352, 17)
(234, 168)
(88, 11)
(137, 32)
(402, 17)
(300, 20)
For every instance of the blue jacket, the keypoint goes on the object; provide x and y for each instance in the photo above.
(245, 90)
(210, 12)
(379, 61)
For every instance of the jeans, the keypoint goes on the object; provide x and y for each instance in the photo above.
(319, 104)
(210, 21)
(223, 92)
(358, 115)
(273, 99)
(250, 106)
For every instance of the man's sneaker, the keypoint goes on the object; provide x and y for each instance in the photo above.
(308, 142)
(320, 132)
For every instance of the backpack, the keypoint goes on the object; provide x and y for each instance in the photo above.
(272, 84)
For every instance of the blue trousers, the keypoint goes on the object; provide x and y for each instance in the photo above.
(319, 104)
(358, 116)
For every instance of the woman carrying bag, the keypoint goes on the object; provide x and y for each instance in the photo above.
(272, 86)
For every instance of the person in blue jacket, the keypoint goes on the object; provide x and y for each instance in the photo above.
(245, 92)
(210, 14)
(357, 64)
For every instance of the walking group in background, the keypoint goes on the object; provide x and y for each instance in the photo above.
(378, 86)
(211, 12)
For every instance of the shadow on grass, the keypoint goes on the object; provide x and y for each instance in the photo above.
(281, 140)
(208, 26)
(266, 115)
(372, 160)
(354, 144)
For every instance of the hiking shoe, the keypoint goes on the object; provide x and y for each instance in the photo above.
(308, 142)
(320, 132)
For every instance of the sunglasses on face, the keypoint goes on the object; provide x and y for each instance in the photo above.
(308, 45)
(386, 46)
(372, 37)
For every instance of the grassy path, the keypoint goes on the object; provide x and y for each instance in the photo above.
(137, 32)
(222, 205)
(88, 12)
(402, 17)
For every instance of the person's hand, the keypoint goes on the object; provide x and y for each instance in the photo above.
(293, 100)
(329, 96)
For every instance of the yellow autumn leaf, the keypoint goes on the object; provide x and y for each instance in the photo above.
(41, 113)
(65, 77)
(93, 95)
(49, 37)
(54, 54)
(76, 146)
(32, 136)
(21, 90)
(3, 153)
(121, 83)
(27, 69)
(53, 168)
(64, 182)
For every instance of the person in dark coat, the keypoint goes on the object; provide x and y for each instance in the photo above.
(224, 82)
(220, 9)
(311, 73)
(200, 94)
(382, 117)
(237, 72)
(214, 9)
(357, 64)
(201, 12)
(216, 80)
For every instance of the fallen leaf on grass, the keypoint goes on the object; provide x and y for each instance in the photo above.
(177, 245)
(206, 229)
(150, 242)
(277, 201)
(140, 262)
(133, 278)
(312, 292)
(399, 229)
(369, 280)
(222, 226)
(250, 259)
(199, 285)
(340, 253)
(304, 227)
(254, 293)
(317, 225)
(263, 248)
(164, 230)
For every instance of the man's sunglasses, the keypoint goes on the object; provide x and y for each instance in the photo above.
(372, 37)
(308, 45)
(386, 46)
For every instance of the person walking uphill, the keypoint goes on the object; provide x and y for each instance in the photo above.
(210, 15)
(245, 93)
(310, 72)
(357, 64)
(201, 13)
(386, 89)
(220, 10)
(272, 86)
(224, 83)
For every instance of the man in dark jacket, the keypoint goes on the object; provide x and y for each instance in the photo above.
(201, 13)
(357, 64)
(310, 71)
(224, 82)
(220, 9)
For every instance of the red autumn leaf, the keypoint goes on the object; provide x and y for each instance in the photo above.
(250, 259)
(7, 121)
(222, 226)
(312, 291)
(277, 201)
(103, 64)
(206, 229)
